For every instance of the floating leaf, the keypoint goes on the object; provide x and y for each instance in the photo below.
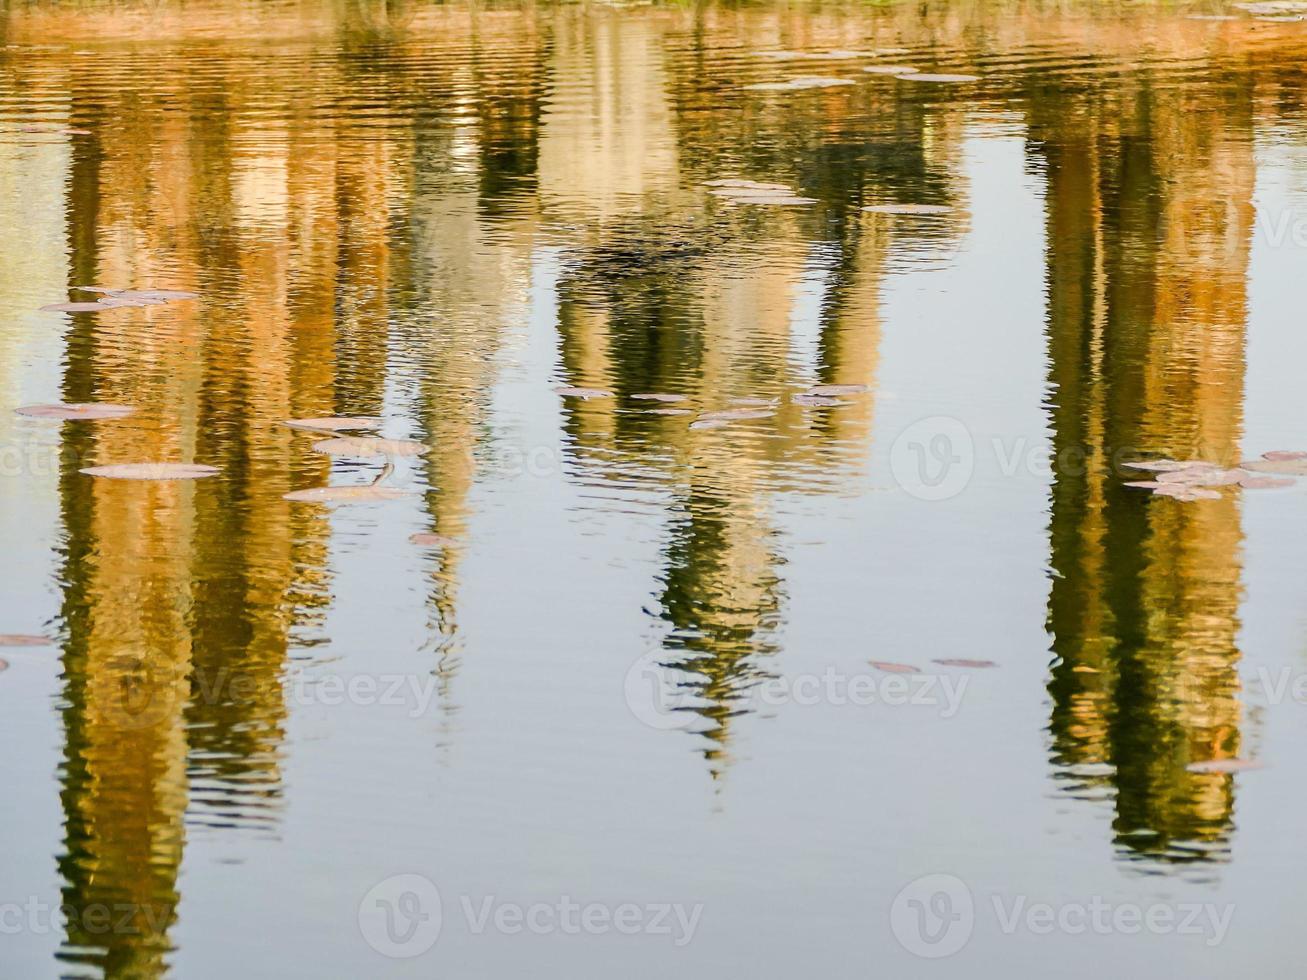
(1165, 465)
(24, 640)
(660, 397)
(1288, 467)
(73, 307)
(964, 662)
(333, 423)
(893, 668)
(1284, 455)
(802, 82)
(568, 391)
(745, 184)
(908, 208)
(1202, 476)
(890, 69)
(366, 447)
(668, 411)
(327, 495)
(114, 302)
(1224, 765)
(76, 410)
(427, 540)
(777, 200)
(709, 423)
(924, 76)
(830, 390)
(816, 401)
(1265, 482)
(759, 402)
(152, 471)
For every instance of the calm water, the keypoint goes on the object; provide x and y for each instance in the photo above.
(638, 675)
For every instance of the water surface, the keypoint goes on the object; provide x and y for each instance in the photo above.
(629, 674)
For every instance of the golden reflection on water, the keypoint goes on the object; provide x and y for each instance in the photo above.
(362, 191)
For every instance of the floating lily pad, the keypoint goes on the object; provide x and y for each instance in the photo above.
(1284, 455)
(890, 69)
(744, 185)
(569, 391)
(1202, 476)
(24, 640)
(1144, 484)
(4, 665)
(1186, 492)
(893, 668)
(658, 396)
(774, 200)
(1224, 765)
(333, 423)
(832, 390)
(709, 423)
(1165, 465)
(427, 540)
(328, 495)
(925, 76)
(964, 662)
(367, 447)
(1287, 467)
(73, 307)
(908, 209)
(669, 411)
(152, 471)
(1251, 482)
(816, 401)
(76, 410)
(756, 402)
(799, 84)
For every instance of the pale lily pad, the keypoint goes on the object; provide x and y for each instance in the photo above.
(658, 396)
(800, 83)
(1284, 455)
(333, 423)
(328, 495)
(1286, 467)
(893, 668)
(745, 185)
(751, 401)
(1186, 492)
(1144, 484)
(890, 69)
(427, 540)
(1165, 465)
(669, 411)
(1224, 765)
(76, 410)
(24, 640)
(833, 390)
(964, 662)
(367, 447)
(1251, 482)
(926, 76)
(774, 200)
(569, 391)
(817, 401)
(73, 307)
(709, 423)
(908, 208)
(1200, 476)
(4, 665)
(152, 471)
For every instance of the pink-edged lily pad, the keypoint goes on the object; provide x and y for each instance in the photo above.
(892, 668)
(24, 640)
(152, 471)
(368, 447)
(76, 410)
(331, 495)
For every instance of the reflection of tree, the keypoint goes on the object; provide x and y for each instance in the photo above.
(1149, 220)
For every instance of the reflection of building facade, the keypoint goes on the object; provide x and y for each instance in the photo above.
(1149, 225)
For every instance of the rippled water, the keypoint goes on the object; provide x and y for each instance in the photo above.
(640, 671)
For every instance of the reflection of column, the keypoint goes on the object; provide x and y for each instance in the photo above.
(1149, 220)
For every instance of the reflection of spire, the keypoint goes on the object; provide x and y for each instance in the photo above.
(1146, 317)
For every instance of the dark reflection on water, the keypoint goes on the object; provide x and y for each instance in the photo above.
(362, 203)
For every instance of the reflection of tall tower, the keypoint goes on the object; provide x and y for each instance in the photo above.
(1149, 219)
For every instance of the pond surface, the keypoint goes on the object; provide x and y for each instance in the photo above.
(642, 707)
